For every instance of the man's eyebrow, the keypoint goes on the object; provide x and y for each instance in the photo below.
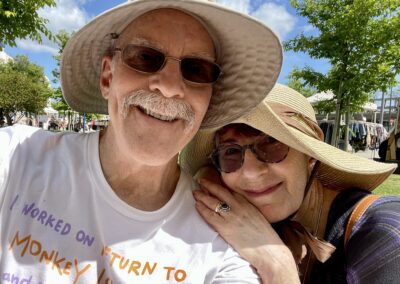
(204, 55)
(146, 42)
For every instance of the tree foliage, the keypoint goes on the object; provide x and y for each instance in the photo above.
(361, 40)
(23, 88)
(59, 103)
(20, 19)
(325, 106)
(300, 85)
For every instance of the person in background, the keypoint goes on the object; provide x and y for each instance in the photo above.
(114, 206)
(282, 197)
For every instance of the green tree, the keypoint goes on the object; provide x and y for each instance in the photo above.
(361, 40)
(24, 89)
(306, 90)
(59, 103)
(20, 19)
(300, 85)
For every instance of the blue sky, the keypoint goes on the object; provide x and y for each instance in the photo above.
(70, 15)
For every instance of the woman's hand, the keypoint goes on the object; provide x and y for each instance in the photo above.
(248, 232)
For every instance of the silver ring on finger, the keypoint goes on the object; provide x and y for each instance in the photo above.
(222, 207)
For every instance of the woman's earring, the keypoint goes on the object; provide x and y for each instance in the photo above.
(311, 164)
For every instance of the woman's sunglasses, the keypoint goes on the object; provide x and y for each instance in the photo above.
(149, 60)
(229, 157)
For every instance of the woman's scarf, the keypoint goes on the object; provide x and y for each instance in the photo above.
(303, 233)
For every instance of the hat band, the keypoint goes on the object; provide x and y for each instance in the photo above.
(297, 120)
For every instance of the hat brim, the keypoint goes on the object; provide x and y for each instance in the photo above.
(250, 56)
(338, 170)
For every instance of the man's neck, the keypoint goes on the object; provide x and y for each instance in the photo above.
(141, 186)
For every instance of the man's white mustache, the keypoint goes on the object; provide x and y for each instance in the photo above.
(170, 108)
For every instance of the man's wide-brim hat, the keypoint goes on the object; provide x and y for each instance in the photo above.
(248, 52)
(337, 170)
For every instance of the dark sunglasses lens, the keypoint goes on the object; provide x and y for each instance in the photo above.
(270, 150)
(228, 158)
(199, 70)
(142, 58)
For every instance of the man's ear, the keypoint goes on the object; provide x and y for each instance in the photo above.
(106, 76)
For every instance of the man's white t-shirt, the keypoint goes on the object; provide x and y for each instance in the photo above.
(62, 223)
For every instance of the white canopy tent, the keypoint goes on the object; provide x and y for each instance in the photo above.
(324, 96)
(4, 57)
(49, 110)
(318, 97)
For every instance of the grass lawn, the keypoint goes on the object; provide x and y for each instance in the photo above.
(390, 187)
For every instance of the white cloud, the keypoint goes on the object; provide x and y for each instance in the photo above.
(67, 15)
(276, 17)
(308, 28)
(36, 47)
(273, 15)
(238, 5)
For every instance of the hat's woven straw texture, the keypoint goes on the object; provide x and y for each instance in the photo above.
(338, 170)
(249, 53)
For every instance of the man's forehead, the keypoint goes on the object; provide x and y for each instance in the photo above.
(168, 15)
(144, 30)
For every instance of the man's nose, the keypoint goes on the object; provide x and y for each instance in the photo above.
(168, 81)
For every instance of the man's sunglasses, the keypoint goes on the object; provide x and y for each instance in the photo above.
(229, 157)
(149, 60)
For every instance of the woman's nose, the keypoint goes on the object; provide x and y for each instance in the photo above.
(253, 167)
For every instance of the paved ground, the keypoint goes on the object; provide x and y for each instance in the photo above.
(369, 154)
(373, 155)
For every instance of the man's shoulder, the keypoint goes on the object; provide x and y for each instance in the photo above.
(18, 130)
(29, 142)
(187, 180)
(12, 136)
(19, 133)
(187, 214)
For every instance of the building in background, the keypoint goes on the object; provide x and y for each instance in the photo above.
(4, 57)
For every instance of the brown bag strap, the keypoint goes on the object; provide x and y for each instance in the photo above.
(358, 211)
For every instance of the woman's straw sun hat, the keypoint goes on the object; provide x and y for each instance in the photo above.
(338, 169)
(249, 53)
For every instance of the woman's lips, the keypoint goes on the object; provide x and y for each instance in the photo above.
(257, 193)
